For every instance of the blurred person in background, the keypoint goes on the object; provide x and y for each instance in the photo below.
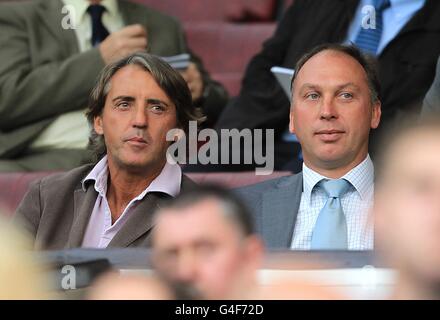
(135, 103)
(52, 53)
(407, 209)
(204, 241)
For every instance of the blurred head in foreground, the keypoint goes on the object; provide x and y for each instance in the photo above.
(204, 243)
(113, 286)
(407, 209)
(20, 276)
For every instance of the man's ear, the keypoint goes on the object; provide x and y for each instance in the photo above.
(97, 125)
(291, 123)
(377, 113)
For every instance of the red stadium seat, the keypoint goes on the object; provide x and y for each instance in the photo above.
(226, 48)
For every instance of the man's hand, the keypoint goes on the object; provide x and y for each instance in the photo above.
(193, 78)
(124, 42)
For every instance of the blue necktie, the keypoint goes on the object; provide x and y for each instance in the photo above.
(99, 32)
(330, 232)
(368, 39)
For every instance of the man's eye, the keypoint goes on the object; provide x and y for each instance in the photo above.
(206, 248)
(157, 108)
(346, 95)
(123, 105)
(312, 96)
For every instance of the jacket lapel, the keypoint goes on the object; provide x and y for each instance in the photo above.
(279, 211)
(84, 203)
(51, 14)
(141, 220)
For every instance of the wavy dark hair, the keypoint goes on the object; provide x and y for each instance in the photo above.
(168, 79)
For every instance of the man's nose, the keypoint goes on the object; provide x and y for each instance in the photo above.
(328, 109)
(140, 117)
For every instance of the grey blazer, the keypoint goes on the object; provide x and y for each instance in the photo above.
(274, 205)
(56, 211)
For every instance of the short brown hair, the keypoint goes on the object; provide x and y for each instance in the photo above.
(168, 79)
(368, 63)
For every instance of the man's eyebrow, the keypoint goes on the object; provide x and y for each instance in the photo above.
(124, 98)
(348, 84)
(157, 101)
(309, 86)
(339, 87)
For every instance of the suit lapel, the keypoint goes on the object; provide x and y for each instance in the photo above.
(187, 183)
(141, 219)
(84, 203)
(139, 223)
(279, 212)
(51, 14)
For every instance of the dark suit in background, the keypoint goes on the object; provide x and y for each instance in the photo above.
(406, 65)
(43, 75)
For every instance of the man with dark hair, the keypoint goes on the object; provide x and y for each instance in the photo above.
(52, 52)
(335, 104)
(134, 104)
(204, 243)
(402, 34)
(407, 209)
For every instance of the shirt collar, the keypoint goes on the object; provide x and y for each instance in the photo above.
(361, 178)
(80, 7)
(168, 181)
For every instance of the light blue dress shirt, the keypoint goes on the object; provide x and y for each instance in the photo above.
(356, 204)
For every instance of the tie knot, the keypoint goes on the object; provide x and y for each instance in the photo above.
(381, 5)
(335, 188)
(96, 10)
